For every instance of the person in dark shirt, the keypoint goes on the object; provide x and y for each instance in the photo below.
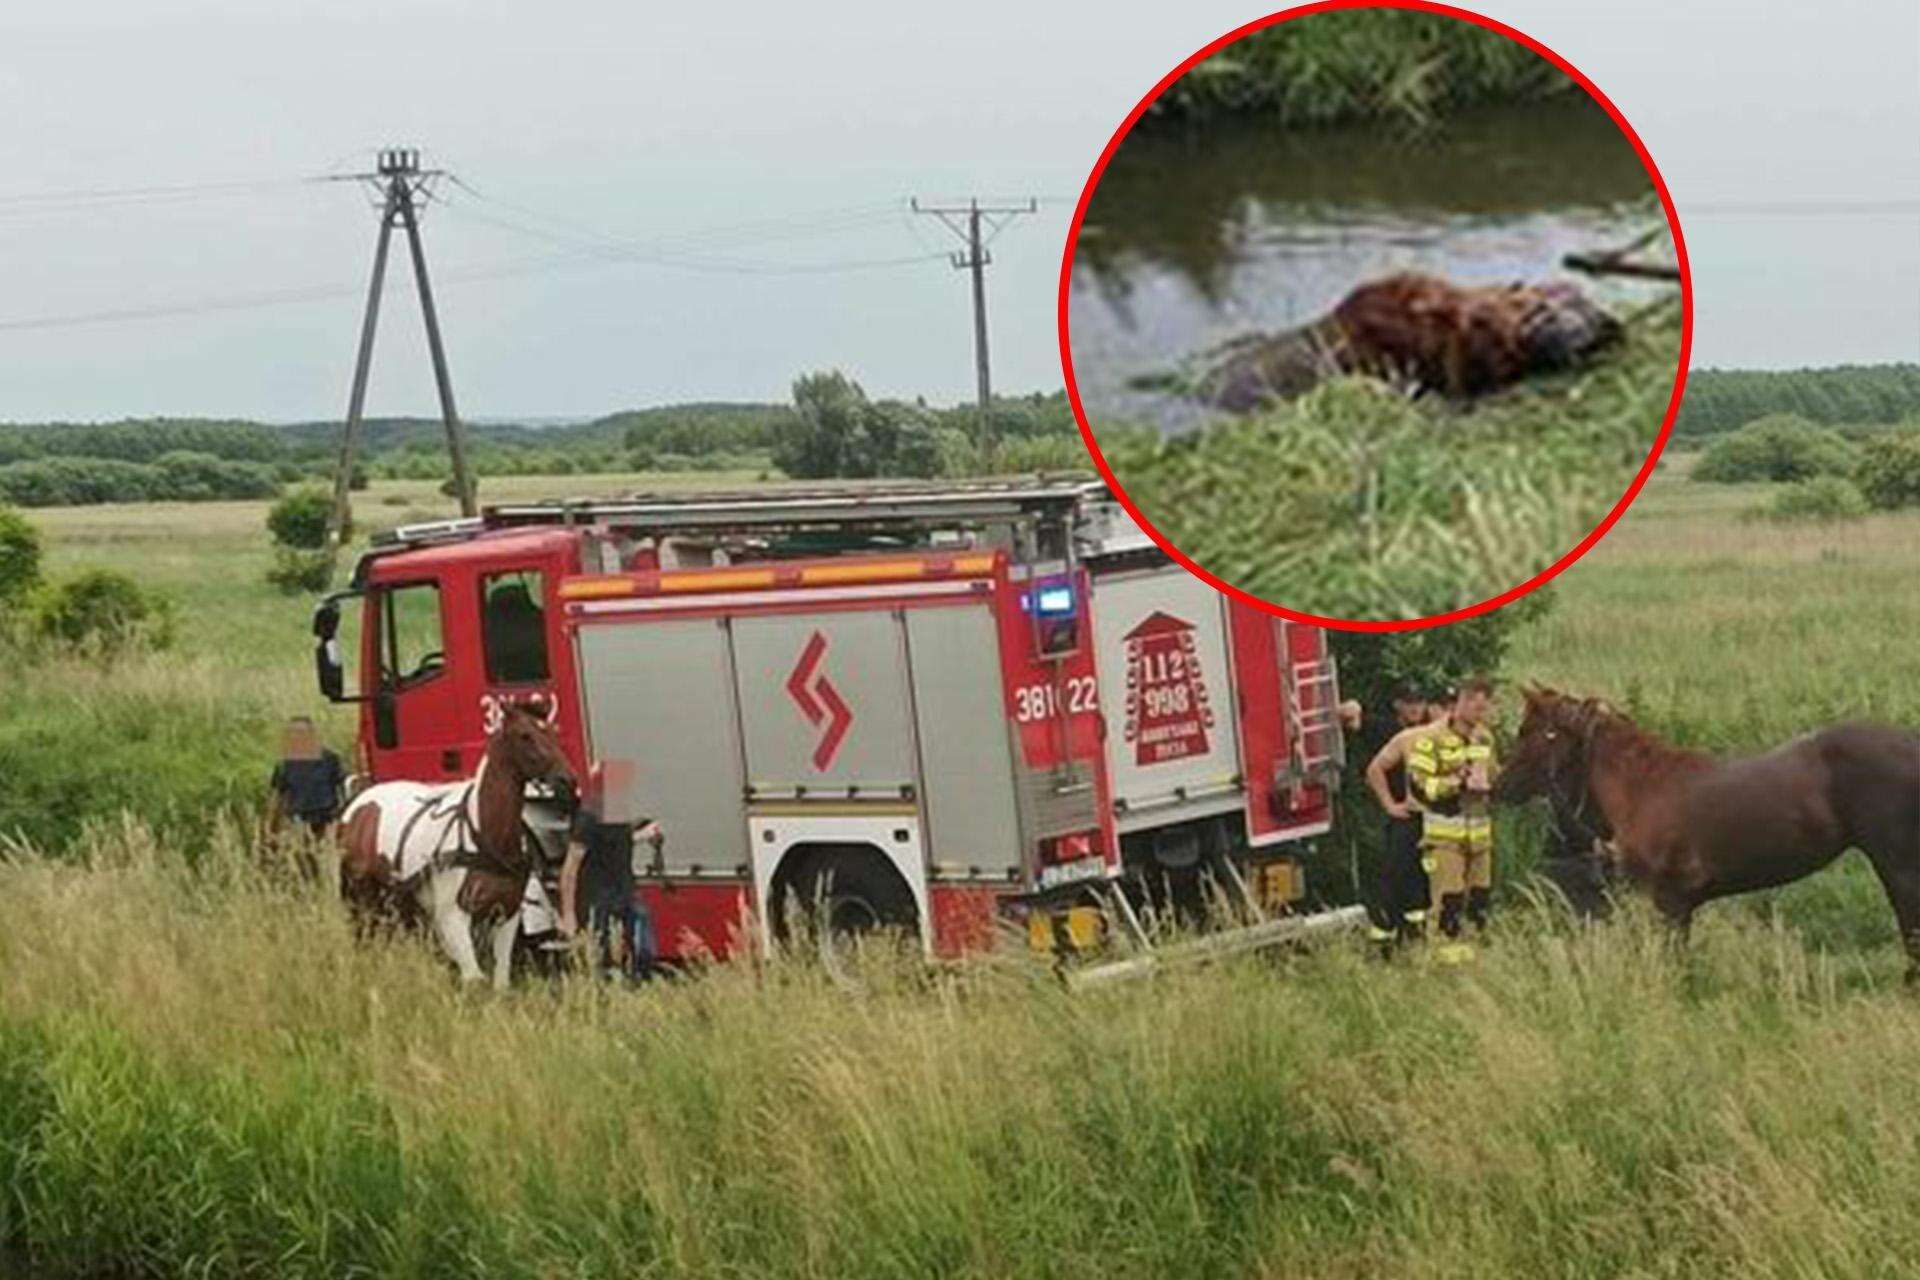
(597, 877)
(1401, 914)
(309, 782)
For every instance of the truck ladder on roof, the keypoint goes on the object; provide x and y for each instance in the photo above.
(866, 506)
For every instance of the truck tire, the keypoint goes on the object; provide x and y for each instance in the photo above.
(844, 895)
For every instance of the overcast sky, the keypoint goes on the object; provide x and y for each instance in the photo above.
(668, 127)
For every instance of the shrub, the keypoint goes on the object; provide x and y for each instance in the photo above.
(105, 612)
(19, 557)
(1778, 447)
(296, 570)
(448, 489)
(299, 520)
(1889, 470)
(1821, 498)
(195, 477)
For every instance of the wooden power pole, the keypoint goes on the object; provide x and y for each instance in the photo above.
(401, 188)
(965, 221)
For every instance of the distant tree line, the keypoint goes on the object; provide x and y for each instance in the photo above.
(1720, 400)
(830, 429)
(836, 430)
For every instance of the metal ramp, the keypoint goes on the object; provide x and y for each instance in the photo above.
(1274, 932)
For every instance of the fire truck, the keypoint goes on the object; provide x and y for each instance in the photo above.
(930, 708)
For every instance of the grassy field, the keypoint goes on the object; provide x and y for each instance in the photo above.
(1394, 66)
(202, 1074)
(1355, 502)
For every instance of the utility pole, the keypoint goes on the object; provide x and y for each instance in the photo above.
(965, 221)
(402, 189)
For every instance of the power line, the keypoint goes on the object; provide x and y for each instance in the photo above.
(684, 253)
(90, 195)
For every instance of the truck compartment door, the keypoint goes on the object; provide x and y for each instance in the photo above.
(824, 705)
(658, 698)
(1166, 693)
(966, 750)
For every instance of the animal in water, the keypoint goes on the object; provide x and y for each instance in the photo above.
(1688, 827)
(1420, 331)
(455, 854)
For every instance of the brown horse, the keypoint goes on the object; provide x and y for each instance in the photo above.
(455, 853)
(1688, 827)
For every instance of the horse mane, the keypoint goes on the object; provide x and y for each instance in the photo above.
(1635, 747)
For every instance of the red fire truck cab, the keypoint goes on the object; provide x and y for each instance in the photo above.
(893, 706)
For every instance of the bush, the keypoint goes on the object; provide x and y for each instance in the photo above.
(296, 570)
(299, 520)
(105, 612)
(1778, 447)
(199, 477)
(448, 489)
(1821, 498)
(1889, 471)
(19, 557)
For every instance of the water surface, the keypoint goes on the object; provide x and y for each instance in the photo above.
(1192, 238)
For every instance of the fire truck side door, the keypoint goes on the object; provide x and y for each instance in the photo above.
(414, 700)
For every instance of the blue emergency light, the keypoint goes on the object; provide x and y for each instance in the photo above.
(1054, 602)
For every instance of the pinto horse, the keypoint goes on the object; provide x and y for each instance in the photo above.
(1688, 827)
(454, 853)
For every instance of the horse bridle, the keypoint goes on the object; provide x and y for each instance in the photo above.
(1570, 808)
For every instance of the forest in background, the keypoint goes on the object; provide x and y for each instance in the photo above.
(1721, 400)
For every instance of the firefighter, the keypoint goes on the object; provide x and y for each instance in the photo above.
(1402, 913)
(1450, 773)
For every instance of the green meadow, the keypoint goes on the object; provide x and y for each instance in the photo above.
(202, 1073)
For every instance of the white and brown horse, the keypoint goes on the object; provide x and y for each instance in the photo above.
(455, 854)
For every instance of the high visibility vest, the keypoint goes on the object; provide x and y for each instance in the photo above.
(1437, 764)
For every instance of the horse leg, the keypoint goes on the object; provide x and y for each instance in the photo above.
(453, 925)
(1898, 868)
(504, 934)
(1676, 906)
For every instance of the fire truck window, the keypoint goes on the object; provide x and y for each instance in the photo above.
(513, 628)
(413, 648)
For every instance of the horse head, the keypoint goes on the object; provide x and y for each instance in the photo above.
(1551, 752)
(528, 749)
(1563, 326)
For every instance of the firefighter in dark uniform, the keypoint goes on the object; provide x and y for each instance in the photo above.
(1402, 912)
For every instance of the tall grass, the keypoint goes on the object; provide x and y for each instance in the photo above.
(1356, 502)
(207, 1076)
(203, 1074)
(1395, 65)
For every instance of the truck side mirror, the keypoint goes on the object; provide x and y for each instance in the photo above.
(327, 668)
(329, 654)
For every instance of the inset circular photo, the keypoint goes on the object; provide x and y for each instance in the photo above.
(1376, 315)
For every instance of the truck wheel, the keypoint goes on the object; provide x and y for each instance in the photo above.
(848, 897)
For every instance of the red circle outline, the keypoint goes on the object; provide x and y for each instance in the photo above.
(1512, 593)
